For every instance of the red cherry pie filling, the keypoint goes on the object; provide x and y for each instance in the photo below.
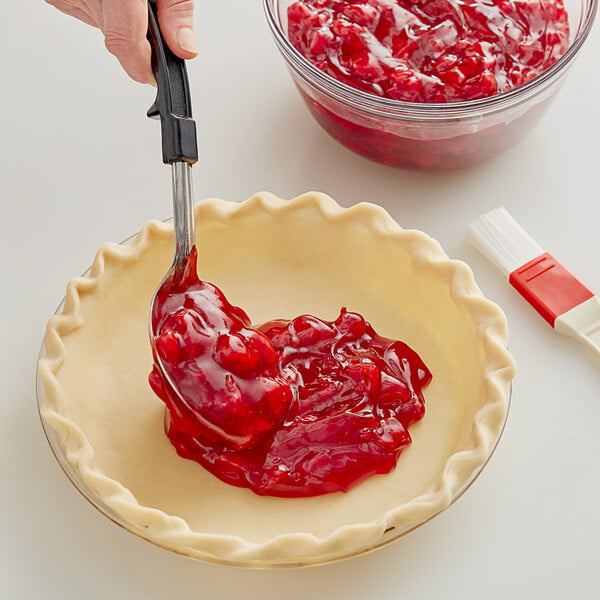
(430, 50)
(433, 52)
(290, 408)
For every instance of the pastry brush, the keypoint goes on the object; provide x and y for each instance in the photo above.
(557, 295)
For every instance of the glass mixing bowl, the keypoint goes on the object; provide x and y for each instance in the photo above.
(424, 136)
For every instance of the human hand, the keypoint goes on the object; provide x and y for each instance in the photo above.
(124, 24)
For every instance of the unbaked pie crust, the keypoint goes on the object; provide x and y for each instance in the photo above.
(276, 259)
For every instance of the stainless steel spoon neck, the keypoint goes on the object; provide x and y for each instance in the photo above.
(183, 217)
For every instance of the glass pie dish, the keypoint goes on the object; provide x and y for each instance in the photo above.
(427, 136)
(276, 259)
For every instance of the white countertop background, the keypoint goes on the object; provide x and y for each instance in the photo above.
(80, 165)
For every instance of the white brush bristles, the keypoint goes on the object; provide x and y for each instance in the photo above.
(502, 240)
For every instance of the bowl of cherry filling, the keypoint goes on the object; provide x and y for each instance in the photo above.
(429, 85)
(328, 382)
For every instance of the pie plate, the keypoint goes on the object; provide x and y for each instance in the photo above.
(276, 259)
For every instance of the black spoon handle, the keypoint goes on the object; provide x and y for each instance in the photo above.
(173, 104)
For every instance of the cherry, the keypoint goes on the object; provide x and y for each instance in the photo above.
(234, 354)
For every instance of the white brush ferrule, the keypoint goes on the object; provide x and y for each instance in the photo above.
(583, 323)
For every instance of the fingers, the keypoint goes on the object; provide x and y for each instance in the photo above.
(125, 23)
(176, 21)
(74, 10)
(124, 26)
(92, 8)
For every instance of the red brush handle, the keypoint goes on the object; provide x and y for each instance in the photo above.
(550, 288)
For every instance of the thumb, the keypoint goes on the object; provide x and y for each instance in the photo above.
(176, 20)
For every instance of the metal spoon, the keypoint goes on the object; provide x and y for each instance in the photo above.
(173, 107)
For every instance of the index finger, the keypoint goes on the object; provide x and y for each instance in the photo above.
(125, 24)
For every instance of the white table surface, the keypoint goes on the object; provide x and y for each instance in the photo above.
(80, 165)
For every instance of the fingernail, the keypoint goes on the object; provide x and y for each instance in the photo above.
(186, 38)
